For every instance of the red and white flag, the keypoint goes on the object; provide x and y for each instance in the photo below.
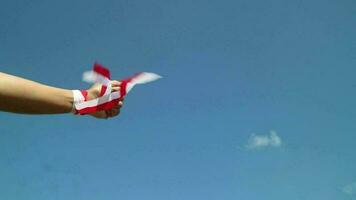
(107, 99)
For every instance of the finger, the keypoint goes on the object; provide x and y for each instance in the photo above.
(99, 115)
(116, 88)
(115, 112)
(117, 107)
(115, 83)
(120, 103)
(108, 113)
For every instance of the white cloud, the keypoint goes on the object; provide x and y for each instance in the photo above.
(349, 189)
(262, 141)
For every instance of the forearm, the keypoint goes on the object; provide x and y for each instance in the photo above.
(24, 96)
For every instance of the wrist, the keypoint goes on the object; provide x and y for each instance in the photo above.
(79, 96)
(62, 98)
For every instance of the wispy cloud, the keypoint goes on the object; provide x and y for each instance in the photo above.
(263, 141)
(349, 189)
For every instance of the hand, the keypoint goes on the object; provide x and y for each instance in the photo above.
(94, 92)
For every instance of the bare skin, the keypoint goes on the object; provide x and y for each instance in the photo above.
(20, 95)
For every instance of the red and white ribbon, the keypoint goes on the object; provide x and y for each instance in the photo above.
(107, 99)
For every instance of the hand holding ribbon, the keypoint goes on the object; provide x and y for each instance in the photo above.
(111, 93)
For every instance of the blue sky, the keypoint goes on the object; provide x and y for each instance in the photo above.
(257, 100)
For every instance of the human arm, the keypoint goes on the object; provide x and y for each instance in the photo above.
(20, 95)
